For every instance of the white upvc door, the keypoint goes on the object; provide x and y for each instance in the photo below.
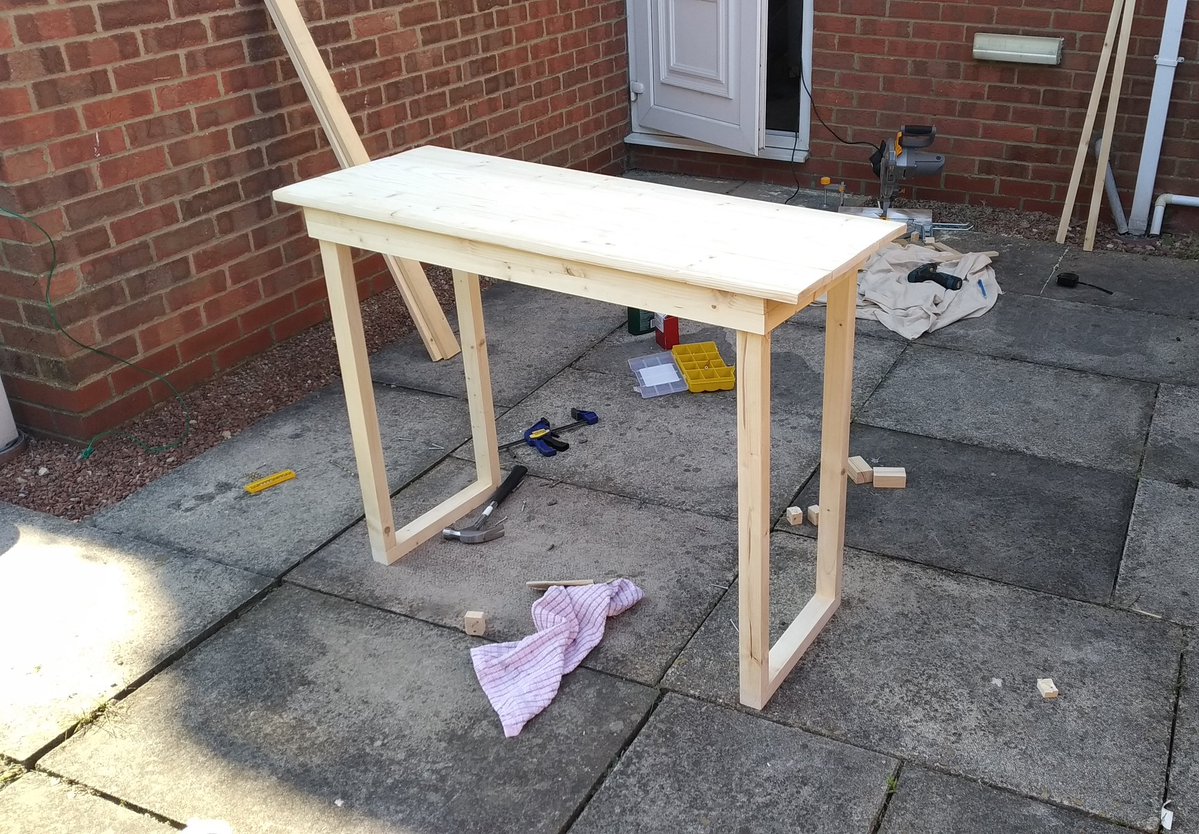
(697, 69)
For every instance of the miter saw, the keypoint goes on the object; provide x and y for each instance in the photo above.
(894, 161)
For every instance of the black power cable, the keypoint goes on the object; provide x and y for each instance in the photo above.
(812, 100)
(91, 446)
(804, 81)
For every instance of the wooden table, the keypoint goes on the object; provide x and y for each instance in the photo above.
(722, 260)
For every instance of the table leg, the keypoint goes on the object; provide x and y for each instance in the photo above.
(834, 434)
(473, 339)
(762, 670)
(346, 314)
(753, 516)
(482, 424)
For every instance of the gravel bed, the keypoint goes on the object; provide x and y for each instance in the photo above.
(51, 477)
(1032, 225)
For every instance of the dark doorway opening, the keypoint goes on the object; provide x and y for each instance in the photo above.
(784, 64)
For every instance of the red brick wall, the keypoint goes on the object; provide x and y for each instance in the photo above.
(1010, 131)
(147, 135)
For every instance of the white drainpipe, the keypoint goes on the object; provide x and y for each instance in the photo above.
(1159, 209)
(1155, 127)
(1113, 193)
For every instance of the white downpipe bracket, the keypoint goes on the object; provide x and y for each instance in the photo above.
(1159, 209)
(1159, 104)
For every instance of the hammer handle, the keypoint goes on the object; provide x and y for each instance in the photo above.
(510, 483)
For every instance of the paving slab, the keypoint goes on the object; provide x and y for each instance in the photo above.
(769, 192)
(1159, 573)
(713, 185)
(1066, 334)
(1151, 283)
(531, 335)
(698, 767)
(679, 450)
(313, 714)
(88, 614)
(1022, 266)
(38, 804)
(1184, 758)
(1001, 515)
(908, 667)
(797, 360)
(789, 194)
(1169, 286)
(814, 316)
(202, 507)
(934, 803)
(1055, 413)
(682, 561)
(1172, 453)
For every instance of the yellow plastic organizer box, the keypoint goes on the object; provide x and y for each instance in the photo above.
(703, 367)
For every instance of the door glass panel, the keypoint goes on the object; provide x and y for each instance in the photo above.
(784, 61)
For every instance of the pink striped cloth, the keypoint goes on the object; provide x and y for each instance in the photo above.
(520, 679)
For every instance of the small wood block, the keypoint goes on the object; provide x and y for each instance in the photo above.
(814, 515)
(795, 516)
(859, 471)
(1047, 689)
(476, 623)
(890, 477)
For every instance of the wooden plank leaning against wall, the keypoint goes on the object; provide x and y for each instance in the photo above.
(347, 145)
(1119, 27)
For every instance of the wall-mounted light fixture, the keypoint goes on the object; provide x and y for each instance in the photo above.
(1020, 49)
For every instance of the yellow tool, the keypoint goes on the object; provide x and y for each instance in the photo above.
(269, 481)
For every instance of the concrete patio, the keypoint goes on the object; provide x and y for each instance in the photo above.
(197, 652)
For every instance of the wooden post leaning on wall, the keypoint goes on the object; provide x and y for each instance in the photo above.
(1109, 124)
(1088, 125)
(347, 145)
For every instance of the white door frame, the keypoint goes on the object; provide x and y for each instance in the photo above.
(780, 145)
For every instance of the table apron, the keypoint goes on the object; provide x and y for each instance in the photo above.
(601, 283)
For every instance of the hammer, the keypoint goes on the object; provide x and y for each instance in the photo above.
(474, 533)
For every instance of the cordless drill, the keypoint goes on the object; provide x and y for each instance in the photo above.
(928, 272)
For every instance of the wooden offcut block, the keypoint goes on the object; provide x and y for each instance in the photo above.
(814, 515)
(795, 516)
(859, 471)
(476, 623)
(890, 477)
(1047, 689)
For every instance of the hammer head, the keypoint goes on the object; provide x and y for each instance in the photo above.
(475, 536)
